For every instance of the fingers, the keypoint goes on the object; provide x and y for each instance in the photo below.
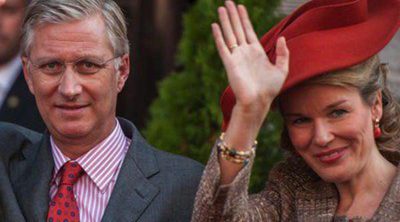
(235, 22)
(282, 55)
(226, 25)
(236, 25)
(219, 42)
(247, 26)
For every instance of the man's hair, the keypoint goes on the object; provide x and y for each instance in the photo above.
(41, 12)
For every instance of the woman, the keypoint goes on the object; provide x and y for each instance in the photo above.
(341, 125)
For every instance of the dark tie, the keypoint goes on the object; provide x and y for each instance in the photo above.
(63, 206)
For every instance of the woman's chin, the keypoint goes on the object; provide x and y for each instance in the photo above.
(335, 176)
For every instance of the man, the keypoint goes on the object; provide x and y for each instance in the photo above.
(17, 105)
(90, 166)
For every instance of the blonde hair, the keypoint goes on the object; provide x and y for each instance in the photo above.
(369, 77)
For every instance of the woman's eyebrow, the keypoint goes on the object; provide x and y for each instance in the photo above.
(333, 105)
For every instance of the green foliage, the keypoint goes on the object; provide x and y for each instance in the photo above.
(186, 117)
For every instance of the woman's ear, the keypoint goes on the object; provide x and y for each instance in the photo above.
(377, 107)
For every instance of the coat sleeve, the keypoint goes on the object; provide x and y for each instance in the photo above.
(233, 203)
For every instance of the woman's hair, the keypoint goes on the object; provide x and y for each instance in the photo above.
(369, 77)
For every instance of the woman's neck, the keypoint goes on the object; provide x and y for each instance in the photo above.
(362, 194)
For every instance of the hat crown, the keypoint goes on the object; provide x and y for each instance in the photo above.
(316, 16)
(328, 35)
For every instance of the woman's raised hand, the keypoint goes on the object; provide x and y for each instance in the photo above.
(254, 80)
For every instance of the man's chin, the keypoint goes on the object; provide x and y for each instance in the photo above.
(71, 131)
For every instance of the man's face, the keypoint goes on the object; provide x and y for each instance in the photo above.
(75, 106)
(11, 18)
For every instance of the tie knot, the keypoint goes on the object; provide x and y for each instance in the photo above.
(71, 172)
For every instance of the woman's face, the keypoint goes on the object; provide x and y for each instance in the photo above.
(331, 128)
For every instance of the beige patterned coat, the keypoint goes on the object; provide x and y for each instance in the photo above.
(293, 193)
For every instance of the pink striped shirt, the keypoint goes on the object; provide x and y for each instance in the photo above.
(101, 164)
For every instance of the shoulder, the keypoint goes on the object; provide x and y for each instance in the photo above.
(168, 163)
(13, 138)
(177, 165)
(12, 130)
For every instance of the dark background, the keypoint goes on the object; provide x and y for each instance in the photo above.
(154, 29)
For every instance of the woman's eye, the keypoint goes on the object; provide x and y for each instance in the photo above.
(338, 113)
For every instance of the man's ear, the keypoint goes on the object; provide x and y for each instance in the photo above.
(123, 71)
(377, 108)
(27, 74)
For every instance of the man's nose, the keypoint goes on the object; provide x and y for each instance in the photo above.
(70, 84)
(322, 133)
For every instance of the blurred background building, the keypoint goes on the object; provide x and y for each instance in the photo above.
(155, 27)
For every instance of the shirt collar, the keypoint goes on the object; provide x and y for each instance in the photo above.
(101, 162)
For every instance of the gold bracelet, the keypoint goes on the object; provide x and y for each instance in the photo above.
(233, 155)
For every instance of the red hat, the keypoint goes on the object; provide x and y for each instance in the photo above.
(327, 35)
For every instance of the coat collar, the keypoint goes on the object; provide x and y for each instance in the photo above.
(318, 200)
(388, 209)
(31, 180)
(31, 175)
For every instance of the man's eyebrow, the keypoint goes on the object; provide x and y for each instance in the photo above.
(44, 59)
(54, 58)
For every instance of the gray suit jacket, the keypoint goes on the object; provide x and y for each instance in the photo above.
(152, 185)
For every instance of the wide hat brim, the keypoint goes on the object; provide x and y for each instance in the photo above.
(327, 35)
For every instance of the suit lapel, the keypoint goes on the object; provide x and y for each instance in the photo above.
(133, 192)
(31, 180)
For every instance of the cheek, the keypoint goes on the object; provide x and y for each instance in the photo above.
(104, 90)
(42, 88)
(358, 132)
(300, 138)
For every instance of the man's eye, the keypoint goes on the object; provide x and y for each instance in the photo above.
(86, 67)
(300, 121)
(88, 64)
(338, 113)
(52, 67)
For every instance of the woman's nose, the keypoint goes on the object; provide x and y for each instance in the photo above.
(322, 134)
